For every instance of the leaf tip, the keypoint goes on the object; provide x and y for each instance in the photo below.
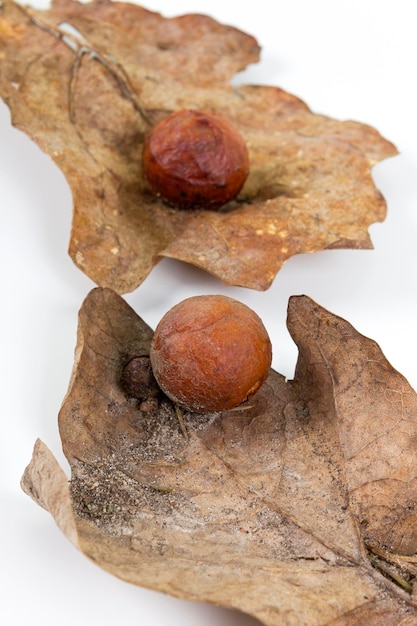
(46, 483)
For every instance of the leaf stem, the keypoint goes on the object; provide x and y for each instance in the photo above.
(79, 47)
(382, 560)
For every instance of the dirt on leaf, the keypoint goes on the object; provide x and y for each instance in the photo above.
(298, 507)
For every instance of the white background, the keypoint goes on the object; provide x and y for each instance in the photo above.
(351, 59)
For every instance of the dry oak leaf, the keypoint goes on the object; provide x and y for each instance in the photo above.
(88, 101)
(298, 508)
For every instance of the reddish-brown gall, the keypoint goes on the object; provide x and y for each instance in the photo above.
(195, 160)
(209, 353)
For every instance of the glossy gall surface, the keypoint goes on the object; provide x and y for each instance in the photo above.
(194, 159)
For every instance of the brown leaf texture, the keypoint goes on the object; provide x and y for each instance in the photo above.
(89, 100)
(298, 508)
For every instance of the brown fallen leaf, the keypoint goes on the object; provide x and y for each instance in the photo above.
(88, 100)
(298, 508)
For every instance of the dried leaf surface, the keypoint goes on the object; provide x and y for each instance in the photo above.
(300, 507)
(88, 104)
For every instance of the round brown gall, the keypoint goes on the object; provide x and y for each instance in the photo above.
(194, 159)
(138, 380)
(210, 353)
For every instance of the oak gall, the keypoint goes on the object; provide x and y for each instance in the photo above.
(194, 159)
(138, 380)
(209, 353)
